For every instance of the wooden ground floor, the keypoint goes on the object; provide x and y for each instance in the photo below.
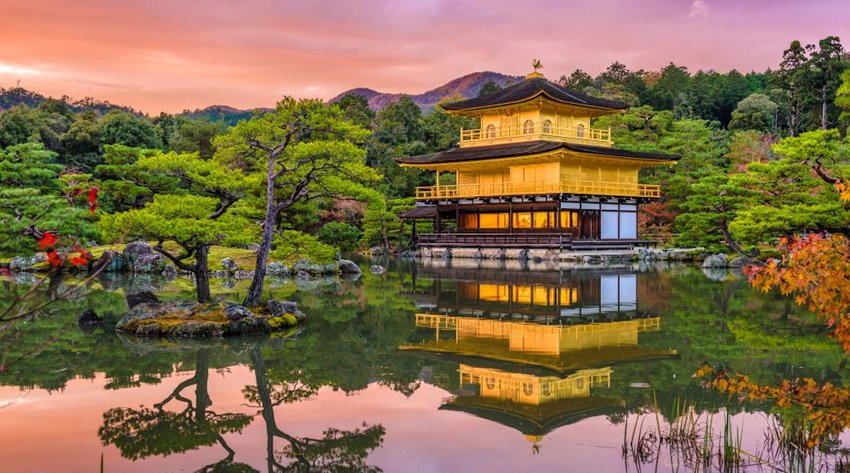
(570, 223)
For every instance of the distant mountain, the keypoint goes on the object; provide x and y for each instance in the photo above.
(222, 113)
(466, 87)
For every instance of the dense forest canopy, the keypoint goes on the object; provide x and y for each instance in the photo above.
(746, 176)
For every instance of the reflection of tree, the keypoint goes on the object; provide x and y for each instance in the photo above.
(139, 433)
(337, 450)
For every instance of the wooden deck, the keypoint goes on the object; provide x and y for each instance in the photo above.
(557, 241)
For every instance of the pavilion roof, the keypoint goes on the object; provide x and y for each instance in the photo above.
(511, 150)
(532, 88)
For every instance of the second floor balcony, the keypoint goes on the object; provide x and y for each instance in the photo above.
(582, 187)
(531, 131)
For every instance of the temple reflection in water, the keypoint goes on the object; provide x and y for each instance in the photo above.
(531, 347)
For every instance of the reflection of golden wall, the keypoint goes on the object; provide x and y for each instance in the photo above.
(543, 296)
(544, 339)
(530, 389)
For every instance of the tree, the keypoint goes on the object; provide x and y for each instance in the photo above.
(124, 185)
(826, 65)
(489, 88)
(708, 211)
(756, 112)
(122, 128)
(31, 196)
(81, 143)
(842, 99)
(668, 91)
(578, 80)
(302, 150)
(355, 108)
(791, 76)
(194, 221)
(195, 136)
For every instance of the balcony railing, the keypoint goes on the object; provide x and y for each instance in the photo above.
(535, 131)
(620, 189)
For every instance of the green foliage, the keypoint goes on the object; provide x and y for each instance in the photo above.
(124, 185)
(756, 112)
(31, 196)
(292, 245)
(711, 205)
(341, 235)
(195, 136)
(125, 129)
(355, 108)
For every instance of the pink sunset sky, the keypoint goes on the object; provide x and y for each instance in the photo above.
(170, 55)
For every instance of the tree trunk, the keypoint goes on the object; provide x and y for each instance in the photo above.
(202, 274)
(727, 237)
(202, 393)
(255, 292)
(823, 108)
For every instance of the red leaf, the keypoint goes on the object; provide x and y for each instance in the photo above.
(48, 240)
(93, 200)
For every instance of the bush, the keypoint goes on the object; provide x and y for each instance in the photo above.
(342, 235)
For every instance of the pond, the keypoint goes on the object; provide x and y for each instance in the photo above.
(428, 367)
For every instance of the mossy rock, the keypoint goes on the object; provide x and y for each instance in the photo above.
(187, 320)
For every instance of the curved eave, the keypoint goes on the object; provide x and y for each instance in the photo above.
(475, 110)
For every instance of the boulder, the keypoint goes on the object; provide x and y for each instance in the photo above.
(152, 310)
(313, 268)
(376, 269)
(249, 325)
(89, 317)
(150, 263)
(718, 260)
(26, 263)
(197, 329)
(229, 265)
(346, 266)
(244, 274)
(302, 275)
(279, 270)
(743, 261)
(140, 298)
(377, 251)
(111, 262)
(237, 312)
(278, 308)
(133, 250)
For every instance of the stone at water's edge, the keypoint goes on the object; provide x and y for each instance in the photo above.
(140, 297)
(229, 265)
(716, 261)
(376, 269)
(26, 263)
(235, 312)
(89, 317)
(133, 250)
(279, 270)
(190, 320)
(111, 262)
(348, 267)
(278, 308)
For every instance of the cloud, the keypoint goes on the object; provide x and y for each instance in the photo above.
(18, 70)
(698, 9)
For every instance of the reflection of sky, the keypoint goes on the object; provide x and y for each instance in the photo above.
(165, 55)
(59, 431)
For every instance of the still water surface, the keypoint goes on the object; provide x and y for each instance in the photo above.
(424, 368)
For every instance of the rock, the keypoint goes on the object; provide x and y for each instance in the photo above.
(716, 274)
(133, 250)
(279, 270)
(302, 275)
(26, 263)
(170, 272)
(244, 274)
(253, 247)
(346, 266)
(249, 325)
(376, 269)
(196, 330)
(229, 265)
(140, 298)
(377, 251)
(89, 317)
(152, 310)
(743, 261)
(148, 330)
(111, 262)
(237, 312)
(716, 261)
(312, 268)
(151, 263)
(278, 308)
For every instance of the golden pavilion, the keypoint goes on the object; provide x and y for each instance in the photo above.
(534, 175)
